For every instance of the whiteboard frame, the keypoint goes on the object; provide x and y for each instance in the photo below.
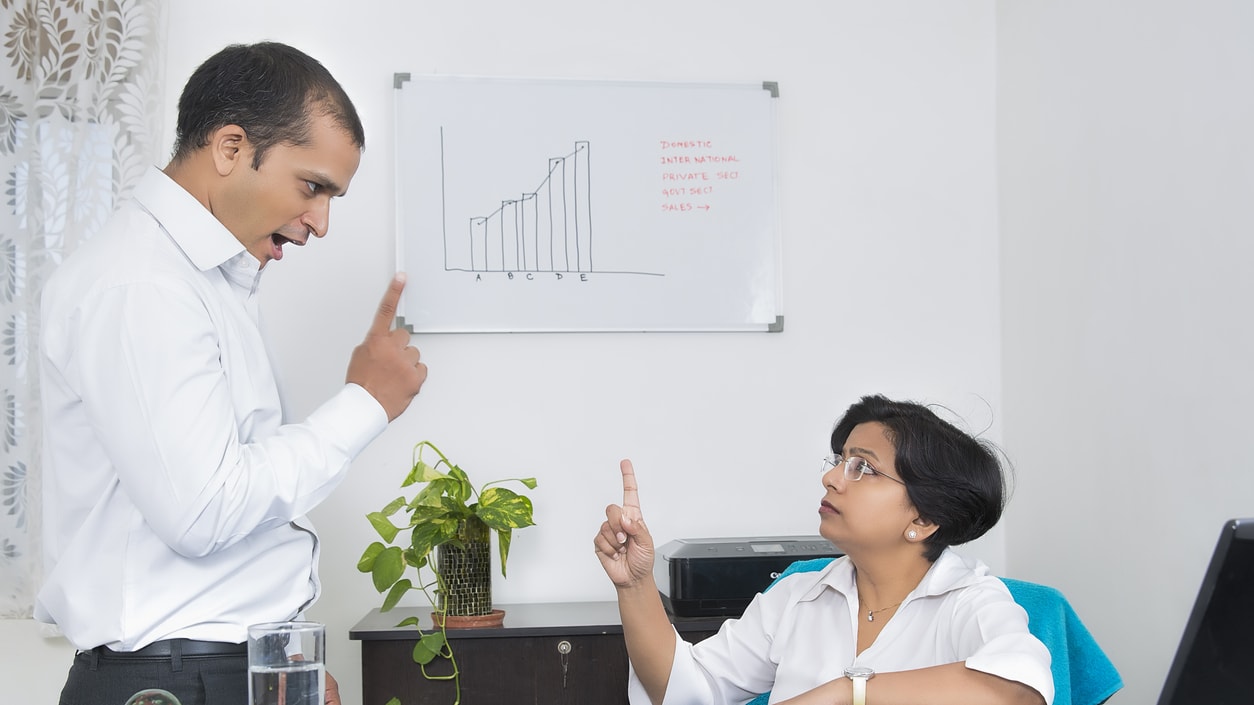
(414, 324)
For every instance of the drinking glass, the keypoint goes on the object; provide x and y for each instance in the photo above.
(285, 663)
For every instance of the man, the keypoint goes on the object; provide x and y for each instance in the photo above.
(174, 494)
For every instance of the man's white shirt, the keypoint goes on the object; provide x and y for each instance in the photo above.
(174, 494)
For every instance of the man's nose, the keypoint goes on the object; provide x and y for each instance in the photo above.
(317, 219)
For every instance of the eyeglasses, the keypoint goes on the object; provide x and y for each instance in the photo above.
(855, 468)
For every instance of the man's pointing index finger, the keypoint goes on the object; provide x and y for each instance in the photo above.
(386, 315)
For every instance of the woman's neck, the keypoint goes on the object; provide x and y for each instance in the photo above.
(883, 580)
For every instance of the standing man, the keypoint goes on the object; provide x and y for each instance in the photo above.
(174, 494)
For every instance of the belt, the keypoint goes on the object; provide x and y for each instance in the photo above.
(168, 648)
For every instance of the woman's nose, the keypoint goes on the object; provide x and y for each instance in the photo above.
(835, 479)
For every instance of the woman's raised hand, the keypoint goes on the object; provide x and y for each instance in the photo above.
(624, 545)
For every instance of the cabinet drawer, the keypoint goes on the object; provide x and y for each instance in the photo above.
(505, 670)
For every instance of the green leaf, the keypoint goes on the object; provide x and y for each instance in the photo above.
(425, 513)
(394, 701)
(462, 489)
(422, 472)
(396, 593)
(428, 648)
(366, 563)
(500, 509)
(408, 622)
(435, 493)
(394, 505)
(383, 525)
(439, 510)
(412, 558)
(503, 537)
(388, 567)
(427, 536)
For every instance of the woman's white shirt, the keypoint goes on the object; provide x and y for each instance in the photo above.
(803, 632)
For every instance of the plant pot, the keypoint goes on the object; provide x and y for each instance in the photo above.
(467, 571)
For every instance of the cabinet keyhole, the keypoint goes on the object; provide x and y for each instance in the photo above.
(563, 648)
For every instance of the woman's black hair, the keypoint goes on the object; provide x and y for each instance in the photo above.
(954, 480)
(271, 90)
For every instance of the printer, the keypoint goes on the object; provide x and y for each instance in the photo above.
(720, 576)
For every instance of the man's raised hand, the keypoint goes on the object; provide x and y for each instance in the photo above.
(385, 364)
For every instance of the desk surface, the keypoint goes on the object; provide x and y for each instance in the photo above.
(541, 619)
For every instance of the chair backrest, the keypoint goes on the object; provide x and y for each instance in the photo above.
(1083, 675)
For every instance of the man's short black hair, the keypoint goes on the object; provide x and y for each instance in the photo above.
(954, 480)
(271, 90)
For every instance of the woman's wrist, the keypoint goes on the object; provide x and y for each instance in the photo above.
(838, 692)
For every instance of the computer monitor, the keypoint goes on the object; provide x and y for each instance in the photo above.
(1215, 661)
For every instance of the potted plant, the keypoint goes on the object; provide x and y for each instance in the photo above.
(453, 519)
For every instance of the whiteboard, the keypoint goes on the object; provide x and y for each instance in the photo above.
(564, 205)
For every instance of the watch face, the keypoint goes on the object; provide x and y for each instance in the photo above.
(859, 672)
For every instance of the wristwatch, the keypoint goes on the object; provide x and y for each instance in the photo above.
(859, 675)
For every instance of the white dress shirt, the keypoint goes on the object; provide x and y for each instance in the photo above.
(174, 494)
(803, 632)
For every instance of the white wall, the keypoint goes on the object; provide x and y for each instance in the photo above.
(888, 209)
(1126, 161)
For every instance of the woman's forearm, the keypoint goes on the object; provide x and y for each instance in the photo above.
(950, 684)
(649, 636)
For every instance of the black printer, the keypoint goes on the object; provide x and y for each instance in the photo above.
(719, 577)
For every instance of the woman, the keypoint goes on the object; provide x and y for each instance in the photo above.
(900, 619)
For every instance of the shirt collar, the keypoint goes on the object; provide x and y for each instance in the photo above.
(201, 236)
(950, 572)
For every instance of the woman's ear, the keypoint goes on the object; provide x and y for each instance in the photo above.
(920, 530)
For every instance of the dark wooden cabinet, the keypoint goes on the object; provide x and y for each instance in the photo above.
(521, 661)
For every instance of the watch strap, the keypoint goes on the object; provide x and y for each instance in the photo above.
(859, 689)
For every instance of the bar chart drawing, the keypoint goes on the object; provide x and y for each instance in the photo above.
(562, 205)
(548, 228)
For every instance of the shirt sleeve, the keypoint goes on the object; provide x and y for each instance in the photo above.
(156, 394)
(732, 666)
(992, 633)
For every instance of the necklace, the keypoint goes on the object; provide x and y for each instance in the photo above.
(870, 614)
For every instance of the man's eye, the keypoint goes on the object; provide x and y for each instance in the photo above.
(313, 187)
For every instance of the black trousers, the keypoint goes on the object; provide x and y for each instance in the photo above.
(101, 678)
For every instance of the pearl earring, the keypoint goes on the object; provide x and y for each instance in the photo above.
(912, 534)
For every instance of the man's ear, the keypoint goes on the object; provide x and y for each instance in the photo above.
(230, 148)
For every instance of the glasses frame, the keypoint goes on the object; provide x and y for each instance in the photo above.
(855, 475)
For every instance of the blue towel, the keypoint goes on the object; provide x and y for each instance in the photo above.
(1082, 673)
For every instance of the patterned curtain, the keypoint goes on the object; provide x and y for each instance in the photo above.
(79, 92)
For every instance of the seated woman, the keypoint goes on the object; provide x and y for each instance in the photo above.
(899, 620)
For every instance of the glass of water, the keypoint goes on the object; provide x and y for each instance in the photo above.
(285, 663)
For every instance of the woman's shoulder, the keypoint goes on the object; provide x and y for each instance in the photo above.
(956, 574)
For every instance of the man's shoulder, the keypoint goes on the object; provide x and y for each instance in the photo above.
(131, 247)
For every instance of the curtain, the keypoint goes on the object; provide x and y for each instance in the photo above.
(79, 100)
